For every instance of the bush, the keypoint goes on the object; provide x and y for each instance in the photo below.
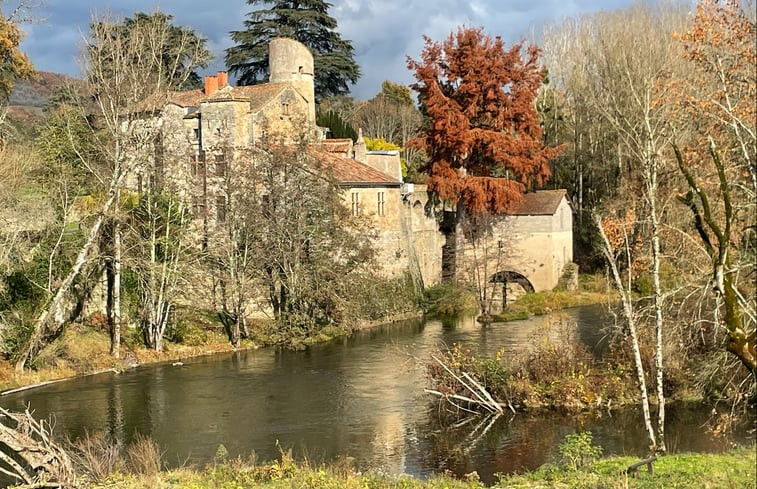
(578, 452)
(448, 299)
(144, 456)
(97, 456)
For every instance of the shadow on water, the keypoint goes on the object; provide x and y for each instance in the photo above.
(360, 396)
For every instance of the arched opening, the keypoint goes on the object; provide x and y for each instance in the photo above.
(509, 278)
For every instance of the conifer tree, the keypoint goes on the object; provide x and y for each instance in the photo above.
(306, 21)
(482, 136)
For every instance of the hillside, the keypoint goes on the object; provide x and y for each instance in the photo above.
(34, 93)
(28, 99)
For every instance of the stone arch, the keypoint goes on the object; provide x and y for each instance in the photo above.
(515, 277)
(511, 276)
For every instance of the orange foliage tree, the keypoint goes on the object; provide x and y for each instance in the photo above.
(719, 160)
(482, 133)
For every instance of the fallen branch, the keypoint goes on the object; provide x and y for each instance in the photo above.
(29, 455)
(481, 395)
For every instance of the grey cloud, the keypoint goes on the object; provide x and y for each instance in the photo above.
(383, 32)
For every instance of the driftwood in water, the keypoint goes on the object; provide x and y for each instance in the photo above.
(479, 396)
(29, 456)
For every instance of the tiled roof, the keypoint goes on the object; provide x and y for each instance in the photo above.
(337, 145)
(349, 172)
(187, 98)
(258, 95)
(539, 203)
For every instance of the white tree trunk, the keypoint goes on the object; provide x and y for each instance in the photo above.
(628, 315)
(651, 175)
(115, 342)
(42, 325)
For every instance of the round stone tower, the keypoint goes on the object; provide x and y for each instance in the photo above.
(290, 61)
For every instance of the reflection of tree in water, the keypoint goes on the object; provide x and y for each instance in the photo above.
(521, 442)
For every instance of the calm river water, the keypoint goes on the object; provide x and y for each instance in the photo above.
(360, 397)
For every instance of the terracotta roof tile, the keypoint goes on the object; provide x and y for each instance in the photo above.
(258, 95)
(349, 172)
(539, 203)
(337, 145)
(187, 98)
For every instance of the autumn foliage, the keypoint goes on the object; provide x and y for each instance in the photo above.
(482, 136)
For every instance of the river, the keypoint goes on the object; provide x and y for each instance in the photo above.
(360, 397)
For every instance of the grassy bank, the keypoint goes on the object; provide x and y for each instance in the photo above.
(451, 299)
(735, 469)
(592, 289)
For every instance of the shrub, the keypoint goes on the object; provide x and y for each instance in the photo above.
(144, 456)
(578, 452)
(447, 299)
(97, 456)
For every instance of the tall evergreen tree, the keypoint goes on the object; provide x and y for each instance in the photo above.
(180, 45)
(306, 21)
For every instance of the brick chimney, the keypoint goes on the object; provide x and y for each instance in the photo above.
(223, 79)
(211, 85)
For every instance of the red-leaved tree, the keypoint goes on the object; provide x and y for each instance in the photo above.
(482, 136)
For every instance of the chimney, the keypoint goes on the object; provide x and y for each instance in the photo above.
(360, 147)
(223, 79)
(211, 85)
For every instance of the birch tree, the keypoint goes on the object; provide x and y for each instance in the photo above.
(128, 80)
(627, 57)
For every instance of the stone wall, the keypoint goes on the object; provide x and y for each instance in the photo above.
(408, 239)
(537, 247)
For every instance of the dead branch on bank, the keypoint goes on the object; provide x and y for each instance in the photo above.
(479, 396)
(28, 454)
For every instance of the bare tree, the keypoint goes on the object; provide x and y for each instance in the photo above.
(625, 58)
(128, 79)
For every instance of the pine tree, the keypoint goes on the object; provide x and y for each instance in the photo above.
(306, 21)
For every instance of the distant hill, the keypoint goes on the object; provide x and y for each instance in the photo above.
(28, 99)
(34, 93)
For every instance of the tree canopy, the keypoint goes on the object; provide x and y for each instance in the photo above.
(13, 63)
(182, 50)
(482, 134)
(306, 21)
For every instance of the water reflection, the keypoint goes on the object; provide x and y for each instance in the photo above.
(361, 397)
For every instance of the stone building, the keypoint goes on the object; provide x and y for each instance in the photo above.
(206, 129)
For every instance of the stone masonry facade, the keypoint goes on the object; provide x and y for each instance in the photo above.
(200, 128)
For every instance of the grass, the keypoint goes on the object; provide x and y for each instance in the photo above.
(735, 469)
(449, 299)
(592, 290)
(85, 348)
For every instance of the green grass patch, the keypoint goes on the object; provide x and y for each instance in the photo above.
(735, 469)
(449, 299)
(539, 303)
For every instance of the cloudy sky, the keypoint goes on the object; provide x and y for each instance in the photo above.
(383, 32)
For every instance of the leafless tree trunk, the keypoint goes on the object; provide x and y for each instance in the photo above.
(115, 339)
(128, 75)
(630, 322)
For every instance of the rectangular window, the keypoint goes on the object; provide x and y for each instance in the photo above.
(198, 164)
(355, 203)
(158, 153)
(381, 203)
(221, 165)
(221, 208)
(285, 108)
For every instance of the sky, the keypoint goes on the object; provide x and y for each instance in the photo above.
(383, 32)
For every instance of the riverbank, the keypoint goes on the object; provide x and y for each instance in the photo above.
(454, 300)
(84, 349)
(735, 469)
